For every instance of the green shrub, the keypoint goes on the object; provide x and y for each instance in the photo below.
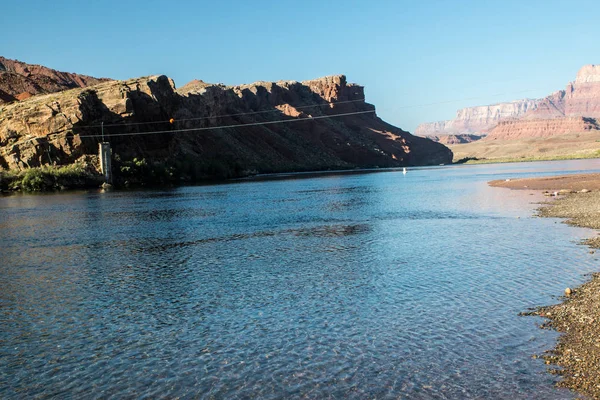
(35, 180)
(50, 178)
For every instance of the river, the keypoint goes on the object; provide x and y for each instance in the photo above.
(363, 285)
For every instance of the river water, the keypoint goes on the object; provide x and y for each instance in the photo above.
(369, 285)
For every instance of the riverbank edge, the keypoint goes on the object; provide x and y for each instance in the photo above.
(478, 161)
(576, 356)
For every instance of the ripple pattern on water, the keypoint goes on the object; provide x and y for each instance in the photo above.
(360, 286)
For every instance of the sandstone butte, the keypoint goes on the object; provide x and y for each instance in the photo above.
(573, 110)
(59, 128)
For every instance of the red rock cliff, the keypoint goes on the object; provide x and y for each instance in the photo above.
(60, 127)
(565, 111)
(19, 80)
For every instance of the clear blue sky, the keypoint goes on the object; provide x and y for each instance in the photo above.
(406, 53)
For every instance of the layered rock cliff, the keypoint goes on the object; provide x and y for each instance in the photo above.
(572, 110)
(529, 128)
(565, 111)
(19, 80)
(217, 130)
(477, 120)
(455, 139)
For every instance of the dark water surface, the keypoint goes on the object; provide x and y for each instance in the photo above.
(377, 285)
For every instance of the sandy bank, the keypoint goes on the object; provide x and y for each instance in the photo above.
(553, 183)
(577, 354)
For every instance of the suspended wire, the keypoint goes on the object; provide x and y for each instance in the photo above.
(97, 136)
(230, 126)
(47, 139)
(226, 115)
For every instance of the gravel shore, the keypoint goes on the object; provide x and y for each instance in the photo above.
(577, 354)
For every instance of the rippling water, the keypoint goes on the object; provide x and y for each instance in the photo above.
(374, 285)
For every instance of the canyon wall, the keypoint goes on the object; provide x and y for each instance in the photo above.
(477, 120)
(565, 111)
(217, 130)
(455, 139)
(573, 110)
(517, 129)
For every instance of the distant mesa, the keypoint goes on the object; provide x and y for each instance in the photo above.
(450, 139)
(574, 109)
(477, 120)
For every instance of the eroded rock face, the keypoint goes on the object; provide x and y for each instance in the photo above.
(213, 125)
(588, 74)
(455, 139)
(19, 80)
(507, 130)
(570, 110)
(477, 120)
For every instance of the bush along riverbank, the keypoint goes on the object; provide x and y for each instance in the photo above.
(137, 172)
(140, 172)
(46, 179)
(577, 353)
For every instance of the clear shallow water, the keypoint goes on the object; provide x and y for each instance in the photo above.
(377, 285)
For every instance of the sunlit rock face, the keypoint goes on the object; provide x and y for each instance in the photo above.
(261, 127)
(19, 80)
(571, 110)
(477, 120)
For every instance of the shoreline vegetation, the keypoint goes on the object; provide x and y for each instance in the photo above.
(85, 174)
(140, 173)
(474, 160)
(577, 317)
(49, 178)
(568, 146)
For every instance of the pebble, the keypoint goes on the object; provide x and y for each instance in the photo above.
(568, 291)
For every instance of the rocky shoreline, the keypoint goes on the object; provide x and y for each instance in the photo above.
(577, 354)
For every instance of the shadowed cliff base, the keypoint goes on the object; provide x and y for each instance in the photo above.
(204, 131)
(577, 353)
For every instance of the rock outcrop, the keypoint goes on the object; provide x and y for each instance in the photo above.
(572, 110)
(455, 139)
(477, 120)
(588, 74)
(19, 80)
(526, 128)
(217, 130)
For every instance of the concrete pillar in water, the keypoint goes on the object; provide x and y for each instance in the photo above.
(105, 153)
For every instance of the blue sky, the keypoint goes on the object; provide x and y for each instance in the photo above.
(407, 54)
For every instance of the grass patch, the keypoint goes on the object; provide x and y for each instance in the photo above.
(560, 147)
(527, 159)
(49, 178)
